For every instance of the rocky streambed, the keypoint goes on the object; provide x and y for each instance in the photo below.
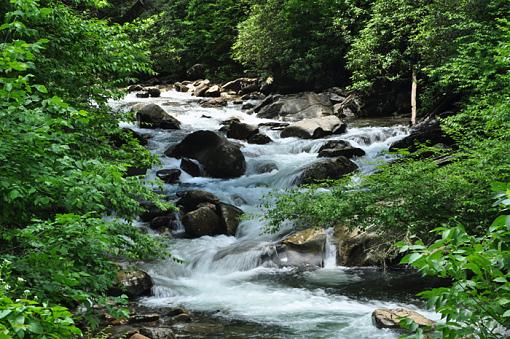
(219, 162)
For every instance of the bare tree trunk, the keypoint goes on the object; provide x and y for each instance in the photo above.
(414, 88)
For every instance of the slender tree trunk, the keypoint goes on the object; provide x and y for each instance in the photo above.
(414, 88)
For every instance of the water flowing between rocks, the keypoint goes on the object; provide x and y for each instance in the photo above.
(227, 279)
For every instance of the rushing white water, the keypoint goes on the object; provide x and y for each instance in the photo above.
(228, 275)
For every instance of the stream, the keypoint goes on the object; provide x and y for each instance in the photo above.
(226, 280)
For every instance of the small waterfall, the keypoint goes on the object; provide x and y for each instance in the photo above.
(330, 251)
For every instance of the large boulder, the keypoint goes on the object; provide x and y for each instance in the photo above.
(133, 283)
(391, 318)
(230, 218)
(219, 157)
(202, 221)
(326, 169)
(428, 131)
(315, 128)
(153, 116)
(295, 107)
(303, 248)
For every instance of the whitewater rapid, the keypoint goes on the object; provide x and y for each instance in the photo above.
(225, 276)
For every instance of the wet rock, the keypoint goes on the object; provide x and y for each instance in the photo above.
(182, 318)
(202, 221)
(189, 200)
(391, 318)
(164, 222)
(358, 248)
(295, 107)
(274, 125)
(350, 107)
(248, 105)
(135, 88)
(202, 330)
(158, 332)
(213, 92)
(239, 84)
(154, 92)
(259, 139)
(169, 176)
(265, 168)
(253, 96)
(303, 248)
(151, 211)
(214, 103)
(192, 167)
(142, 95)
(196, 72)
(428, 131)
(219, 157)
(326, 169)
(138, 336)
(153, 116)
(230, 218)
(133, 283)
(342, 148)
(179, 87)
(314, 128)
(200, 90)
(143, 318)
(241, 131)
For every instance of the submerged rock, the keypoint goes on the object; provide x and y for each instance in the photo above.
(326, 169)
(240, 131)
(219, 157)
(153, 116)
(259, 139)
(314, 128)
(391, 318)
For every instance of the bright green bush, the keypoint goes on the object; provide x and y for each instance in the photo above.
(26, 318)
(63, 170)
(477, 304)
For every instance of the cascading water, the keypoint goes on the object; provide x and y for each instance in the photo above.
(228, 276)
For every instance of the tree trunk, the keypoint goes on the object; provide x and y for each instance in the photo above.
(414, 88)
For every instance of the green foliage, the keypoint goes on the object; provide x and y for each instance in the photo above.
(478, 301)
(64, 188)
(185, 33)
(26, 317)
(303, 41)
(74, 256)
